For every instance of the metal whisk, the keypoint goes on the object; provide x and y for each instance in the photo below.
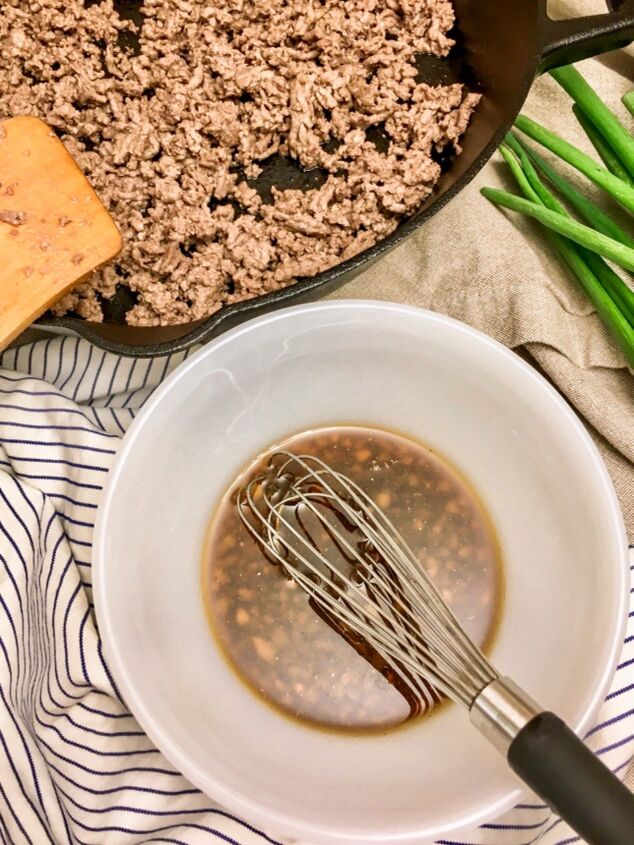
(338, 546)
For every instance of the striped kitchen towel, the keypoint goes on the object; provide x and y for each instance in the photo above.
(74, 765)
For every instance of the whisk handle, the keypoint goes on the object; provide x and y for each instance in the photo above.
(556, 764)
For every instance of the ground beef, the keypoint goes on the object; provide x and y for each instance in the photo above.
(175, 133)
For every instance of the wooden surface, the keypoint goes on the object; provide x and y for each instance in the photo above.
(53, 228)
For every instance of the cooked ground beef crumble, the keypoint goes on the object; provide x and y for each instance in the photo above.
(172, 138)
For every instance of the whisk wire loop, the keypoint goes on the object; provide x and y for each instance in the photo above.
(369, 583)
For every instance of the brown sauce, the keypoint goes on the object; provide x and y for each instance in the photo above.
(271, 636)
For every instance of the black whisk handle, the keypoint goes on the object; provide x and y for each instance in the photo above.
(563, 771)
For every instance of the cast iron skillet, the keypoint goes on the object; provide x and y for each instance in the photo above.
(501, 47)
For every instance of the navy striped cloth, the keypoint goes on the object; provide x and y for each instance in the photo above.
(74, 765)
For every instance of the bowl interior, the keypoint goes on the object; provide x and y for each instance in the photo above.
(432, 379)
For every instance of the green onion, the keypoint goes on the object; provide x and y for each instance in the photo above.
(605, 151)
(537, 187)
(617, 188)
(534, 189)
(622, 295)
(628, 101)
(595, 110)
(607, 308)
(519, 173)
(577, 232)
(580, 247)
(591, 213)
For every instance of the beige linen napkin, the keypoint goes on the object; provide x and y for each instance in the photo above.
(495, 271)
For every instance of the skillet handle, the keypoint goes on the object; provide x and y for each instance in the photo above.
(568, 41)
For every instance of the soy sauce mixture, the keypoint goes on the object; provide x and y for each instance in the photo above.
(281, 647)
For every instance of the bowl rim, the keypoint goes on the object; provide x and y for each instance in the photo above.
(253, 810)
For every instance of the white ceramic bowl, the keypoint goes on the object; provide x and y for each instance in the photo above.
(432, 378)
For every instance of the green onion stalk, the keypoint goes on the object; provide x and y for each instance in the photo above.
(608, 127)
(621, 191)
